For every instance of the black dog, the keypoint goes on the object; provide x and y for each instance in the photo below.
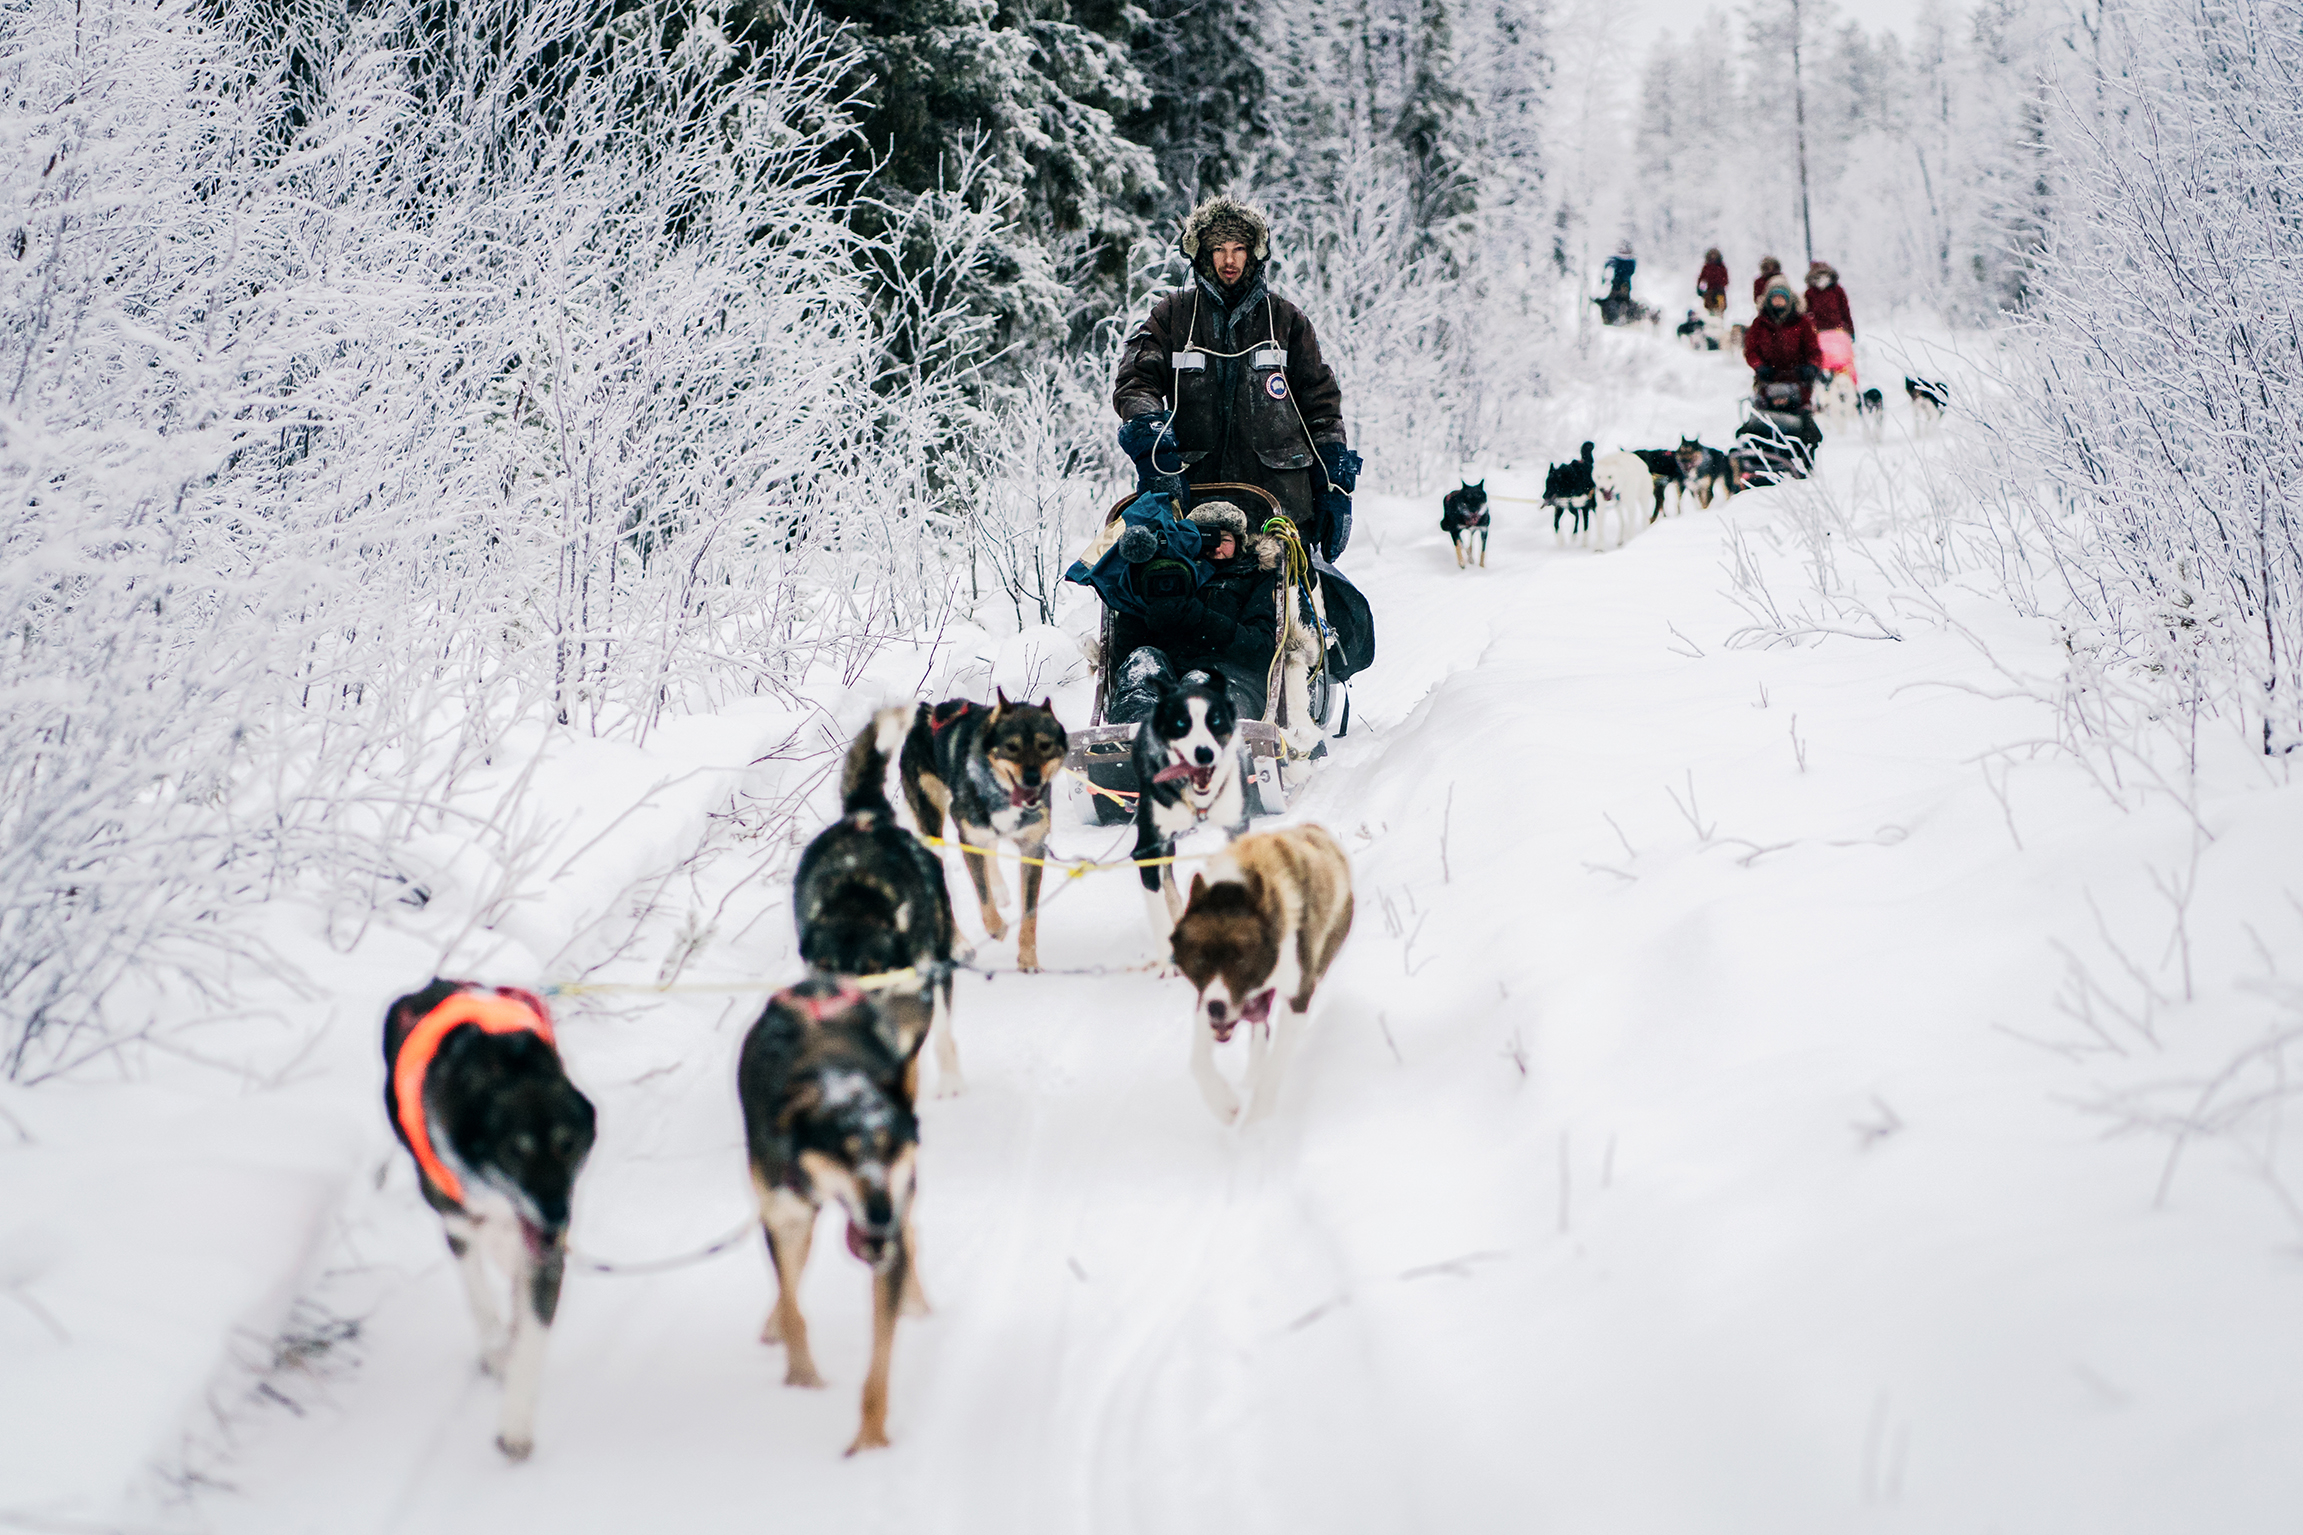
(1568, 490)
(1704, 471)
(870, 899)
(1663, 464)
(474, 1089)
(1463, 517)
(1188, 772)
(990, 766)
(827, 1116)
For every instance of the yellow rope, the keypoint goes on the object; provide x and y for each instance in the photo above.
(1076, 867)
(909, 975)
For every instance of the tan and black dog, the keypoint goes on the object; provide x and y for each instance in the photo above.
(1267, 915)
(991, 768)
(827, 1116)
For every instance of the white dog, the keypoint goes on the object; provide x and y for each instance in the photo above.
(1626, 499)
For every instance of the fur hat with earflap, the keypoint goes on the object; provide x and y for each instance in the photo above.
(1215, 518)
(1781, 284)
(1219, 220)
(1821, 274)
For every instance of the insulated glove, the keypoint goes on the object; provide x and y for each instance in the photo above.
(1342, 465)
(1140, 439)
(1335, 523)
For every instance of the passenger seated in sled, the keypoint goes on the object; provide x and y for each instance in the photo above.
(1226, 625)
(1230, 595)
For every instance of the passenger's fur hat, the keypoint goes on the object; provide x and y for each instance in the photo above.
(1212, 517)
(1782, 284)
(1224, 218)
(1817, 269)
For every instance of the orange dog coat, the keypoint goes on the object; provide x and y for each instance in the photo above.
(503, 1011)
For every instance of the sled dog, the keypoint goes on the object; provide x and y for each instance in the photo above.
(1871, 410)
(990, 767)
(1929, 400)
(1567, 490)
(1836, 399)
(870, 900)
(1663, 468)
(1188, 773)
(475, 1091)
(1463, 518)
(1626, 494)
(1703, 471)
(827, 1116)
(1266, 916)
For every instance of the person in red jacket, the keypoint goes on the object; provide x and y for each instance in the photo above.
(1780, 346)
(1827, 301)
(1711, 286)
(1769, 268)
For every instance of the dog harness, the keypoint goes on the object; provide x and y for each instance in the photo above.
(503, 1011)
(820, 1008)
(959, 709)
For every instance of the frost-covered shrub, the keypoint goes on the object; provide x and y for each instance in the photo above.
(2161, 397)
(357, 403)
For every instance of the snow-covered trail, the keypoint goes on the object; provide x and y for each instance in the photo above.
(1653, 1161)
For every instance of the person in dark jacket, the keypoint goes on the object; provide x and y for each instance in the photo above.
(1769, 270)
(1229, 628)
(1223, 383)
(1620, 266)
(1711, 284)
(1827, 301)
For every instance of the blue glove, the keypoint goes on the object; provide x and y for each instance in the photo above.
(1342, 465)
(1142, 433)
(1335, 523)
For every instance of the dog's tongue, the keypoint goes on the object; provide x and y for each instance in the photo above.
(1258, 1009)
(856, 1242)
(1018, 798)
(1176, 772)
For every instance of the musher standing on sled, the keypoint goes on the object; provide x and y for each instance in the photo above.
(1224, 382)
(1827, 301)
(1711, 286)
(1781, 348)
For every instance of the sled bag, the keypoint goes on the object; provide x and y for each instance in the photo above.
(1348, 615)
(1838, 352)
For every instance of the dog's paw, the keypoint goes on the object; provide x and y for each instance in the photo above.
(1222, 1102)
(950, 1084)
(803, 1374)
(515, 1450)
(995, 925)
(493, 1360)
(869, 1439)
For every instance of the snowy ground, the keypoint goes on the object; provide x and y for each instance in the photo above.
(1701, 1130)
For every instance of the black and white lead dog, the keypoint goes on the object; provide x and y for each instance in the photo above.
(1188, 774)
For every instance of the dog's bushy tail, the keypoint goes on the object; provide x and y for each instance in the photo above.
(864, 780)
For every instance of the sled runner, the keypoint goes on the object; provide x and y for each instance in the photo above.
(1301, 709)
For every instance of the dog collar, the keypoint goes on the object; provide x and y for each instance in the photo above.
(819, 1008)
(502, 1011)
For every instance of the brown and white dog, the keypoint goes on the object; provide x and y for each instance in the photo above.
(1267, 916)
(474, 1089)
(992, 769)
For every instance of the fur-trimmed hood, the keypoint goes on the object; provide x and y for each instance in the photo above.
(1817, 269)
(1781, 283)
(1222, 218)
(1213, 517)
